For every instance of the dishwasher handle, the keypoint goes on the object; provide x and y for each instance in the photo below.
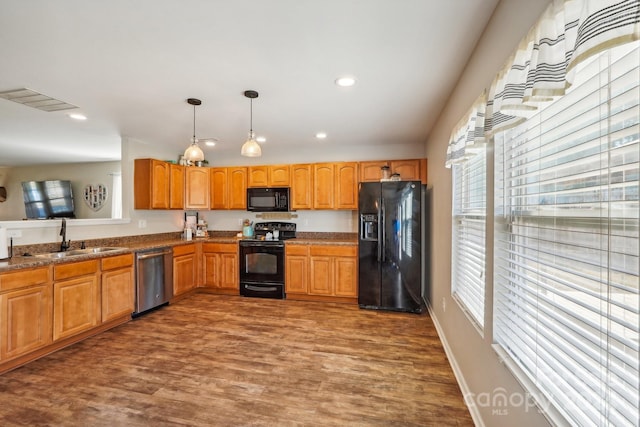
(153, 254)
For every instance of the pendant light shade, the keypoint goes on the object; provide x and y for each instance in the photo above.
(194, 153)
(251, 148)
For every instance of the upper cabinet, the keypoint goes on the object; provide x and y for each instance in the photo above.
(176, 187)
(269, 176)
(151, 184)
(409, 170)
(302, 187)
(197, 187)
(335, 185)
(228, 188)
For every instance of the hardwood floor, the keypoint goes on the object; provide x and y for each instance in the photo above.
(212, 360)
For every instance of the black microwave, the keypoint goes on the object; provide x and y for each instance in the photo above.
(272, 199)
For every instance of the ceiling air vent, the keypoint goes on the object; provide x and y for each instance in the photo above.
(34, 99)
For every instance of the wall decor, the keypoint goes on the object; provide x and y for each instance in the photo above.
(95, 195)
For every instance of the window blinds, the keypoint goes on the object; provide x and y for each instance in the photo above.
(567, 256)
(469, 219)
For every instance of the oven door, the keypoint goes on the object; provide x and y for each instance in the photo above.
(261, 263)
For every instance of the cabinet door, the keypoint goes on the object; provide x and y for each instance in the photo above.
(117, 293)
(258, 176)
(321, 275)
(228, 272)
(210, 270)
(25, 320)
(197, 188)
(296, 274)
(409, 170)
(323, 179)
(370, 171)
(76, 306)
(151, 184)
(302, 187)
(218, 188)
(237, 188)
(346, 186)
(279, 175)
(346, 279)
(184, 273)
(176, 190)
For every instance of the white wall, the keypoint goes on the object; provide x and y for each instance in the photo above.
(480, 370)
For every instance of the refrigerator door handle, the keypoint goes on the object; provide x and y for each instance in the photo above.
(380, 241)
(382, 225)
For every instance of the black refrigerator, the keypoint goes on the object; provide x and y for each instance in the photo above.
(390, 246)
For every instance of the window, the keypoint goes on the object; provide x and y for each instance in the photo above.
(468, 243)
(567, 233)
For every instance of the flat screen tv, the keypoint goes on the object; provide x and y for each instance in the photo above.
(48, 199)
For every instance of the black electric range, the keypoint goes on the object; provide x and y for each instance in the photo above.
(262, 260)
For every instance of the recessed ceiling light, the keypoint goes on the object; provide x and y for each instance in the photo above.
(345, 81)
(321, 135)
(78, 116)
(261, 139)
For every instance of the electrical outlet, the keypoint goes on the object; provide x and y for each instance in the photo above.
(142, 223)
(14, 233)
(444, 304)
(240, 221)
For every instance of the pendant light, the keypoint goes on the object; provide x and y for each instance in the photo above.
(194, 153)
(251, 148)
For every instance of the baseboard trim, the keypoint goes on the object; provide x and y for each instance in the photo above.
(473, 409)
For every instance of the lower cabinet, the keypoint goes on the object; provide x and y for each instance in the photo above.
(220, 267)
(185, 264)
(117, 286)
(322, 271)
(76, 298)
(25, 312)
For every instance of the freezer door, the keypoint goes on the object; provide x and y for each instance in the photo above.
(370, 251)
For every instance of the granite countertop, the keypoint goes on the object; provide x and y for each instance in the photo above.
(129, 244)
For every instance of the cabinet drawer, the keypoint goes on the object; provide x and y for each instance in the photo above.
(119, 261)
(23, 278)
(184, 250)
(64, 271)
(220, 247)
(297, 249)
(326, 250)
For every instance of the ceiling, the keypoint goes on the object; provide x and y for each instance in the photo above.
(130, 66)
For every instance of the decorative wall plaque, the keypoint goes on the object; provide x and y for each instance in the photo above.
(95, 195)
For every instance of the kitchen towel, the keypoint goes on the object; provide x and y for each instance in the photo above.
(4, 246)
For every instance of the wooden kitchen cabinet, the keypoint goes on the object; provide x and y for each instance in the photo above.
(335, 185)
(220, 267)
(196, 188)
(117, 287)
(409, 170)
(296, 269)
(25, 312)
(76, 298)
(151, 184)
(301, 186)
(176, 186)
(268, 176)
(237, 187)
(228, 188)
(185, 266)
(333, 271)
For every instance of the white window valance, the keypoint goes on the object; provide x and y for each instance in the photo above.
(468, 134)
(542, 68)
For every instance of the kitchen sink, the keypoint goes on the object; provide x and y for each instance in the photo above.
(76, 252)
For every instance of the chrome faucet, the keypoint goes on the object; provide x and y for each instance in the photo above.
(64, 245)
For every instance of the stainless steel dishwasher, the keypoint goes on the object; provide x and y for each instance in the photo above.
(154, 278)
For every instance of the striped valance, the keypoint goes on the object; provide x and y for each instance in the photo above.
(468, 135)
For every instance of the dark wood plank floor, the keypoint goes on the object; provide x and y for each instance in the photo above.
(229, 361)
